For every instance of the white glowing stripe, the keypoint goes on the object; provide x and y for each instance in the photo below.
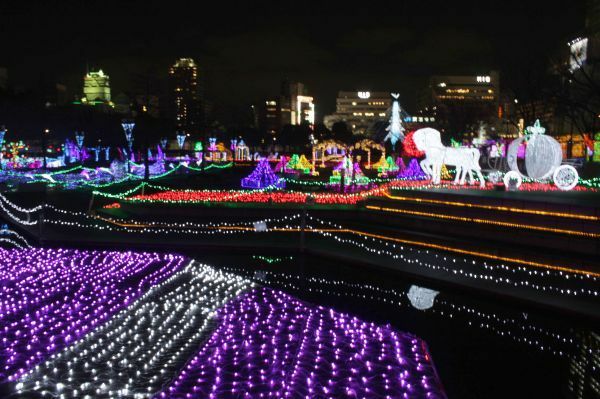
(18, 208)
(181, 224)
(483, 276)
(396, 251)
(515, 328)
(143, 346)
(14, 217)
(17, 235)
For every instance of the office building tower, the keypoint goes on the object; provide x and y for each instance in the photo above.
(185, 103)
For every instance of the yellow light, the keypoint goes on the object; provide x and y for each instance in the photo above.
(494, 207)
(386, 238)
(486, 221)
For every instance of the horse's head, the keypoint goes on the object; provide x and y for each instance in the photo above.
(426, 137)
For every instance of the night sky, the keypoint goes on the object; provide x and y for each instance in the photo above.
(244, 51)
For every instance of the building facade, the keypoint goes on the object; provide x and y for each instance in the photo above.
(461, 102)
(96, 87)
(293, 106)
(297, 107)
(185, 103)
(360, 110)
(270, 117)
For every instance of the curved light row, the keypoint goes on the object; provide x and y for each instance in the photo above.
(552, 281)
(518, 328)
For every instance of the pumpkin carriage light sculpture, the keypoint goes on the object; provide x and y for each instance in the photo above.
(543, 159)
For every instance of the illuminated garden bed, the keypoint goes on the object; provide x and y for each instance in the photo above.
(51, 298)
(269, 196)
(123, 324)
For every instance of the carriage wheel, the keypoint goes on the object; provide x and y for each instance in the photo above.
(565, 177)
(514, 178)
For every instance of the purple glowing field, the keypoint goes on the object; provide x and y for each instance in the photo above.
(123, 324)
(269, 345)
(50, 298)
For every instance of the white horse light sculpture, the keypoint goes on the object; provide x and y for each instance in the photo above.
(465, 160)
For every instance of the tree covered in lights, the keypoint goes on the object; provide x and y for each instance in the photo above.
(299, 163)
(395, 128)
(262, 177)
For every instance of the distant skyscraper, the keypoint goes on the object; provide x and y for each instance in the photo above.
(293, 106)
(96, 87)
(297, 106)
(183, 77)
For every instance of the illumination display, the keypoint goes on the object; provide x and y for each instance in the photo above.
(206, 196)
(299, 163)
(128, 129)
(268, 344)
(509, 324)
(144, 346)
(107, 324)
(262, 177)
(578, 53)
(52, 298)
(180, 139)
(80, 176)
(543, 157)
(465, 160)
(395, 128)
(420, 297)
(413, 171)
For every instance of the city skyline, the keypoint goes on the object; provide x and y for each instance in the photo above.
(243, 58)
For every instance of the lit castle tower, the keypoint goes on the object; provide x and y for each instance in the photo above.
(96, 87)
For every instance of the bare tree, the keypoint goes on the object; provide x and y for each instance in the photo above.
(578, 93)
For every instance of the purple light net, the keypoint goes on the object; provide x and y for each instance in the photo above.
(400, 164)
(270, 345)
(413, 171)
(262, 177)
(50, 298)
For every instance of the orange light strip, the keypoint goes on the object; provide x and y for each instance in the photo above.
(494, 207)
(402, 241)
(486, 221)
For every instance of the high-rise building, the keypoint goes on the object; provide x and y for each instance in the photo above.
(270, 117)
(185, 103)
(360, 110)
(297, 106)
(462, 101)
(96, 87)
(293, 106)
